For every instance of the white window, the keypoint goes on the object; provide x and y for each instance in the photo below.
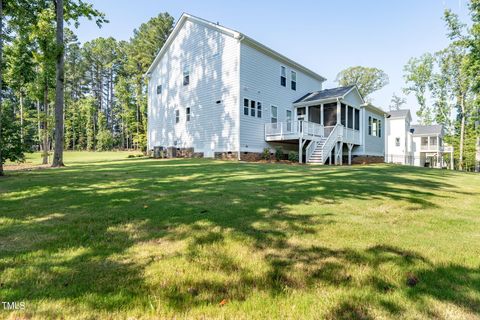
(252, 108)
(374, 127)
(273, 114)
(159, 89)
(245, 107)
(293, 80)
(259, 109)
(186, 75)
(177, 116)
(397, 141)
(289, 120)
(188, 114)
(283, 76)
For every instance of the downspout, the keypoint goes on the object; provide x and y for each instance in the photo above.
(240, 39)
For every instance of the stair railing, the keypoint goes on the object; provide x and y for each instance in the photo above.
(311, 149)
(334, 136)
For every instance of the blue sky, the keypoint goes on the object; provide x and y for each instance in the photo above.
(325, 36)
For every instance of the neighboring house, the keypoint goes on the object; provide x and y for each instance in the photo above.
(224, 94)
(418, 145)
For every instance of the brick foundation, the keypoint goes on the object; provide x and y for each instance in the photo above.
(226, 155)
(367, 159)
(251, 156)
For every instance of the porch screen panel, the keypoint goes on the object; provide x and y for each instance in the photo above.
(314, 114)
(350, 117)
(357, 119)
(330, 114)
(343, 114)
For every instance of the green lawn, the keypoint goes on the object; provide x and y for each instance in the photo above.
(147, 238)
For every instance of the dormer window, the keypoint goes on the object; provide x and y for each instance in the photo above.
(283, 76)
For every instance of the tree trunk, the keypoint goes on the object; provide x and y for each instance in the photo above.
(45, 125)
(111, 100)
(39, 126)
(462, 135)
(1, 78)
(59, 89)
(21, 117)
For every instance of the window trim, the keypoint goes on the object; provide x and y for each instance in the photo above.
(259, 109)
(186, 75)
(397, 141)
(246, 108)
(293, 83)
(188, 113)
(271, 113)
(283, 76)
(253, 111)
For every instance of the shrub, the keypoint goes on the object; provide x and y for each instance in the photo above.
(104, 140)
(293, 156)
(266, 154)
(278, 153)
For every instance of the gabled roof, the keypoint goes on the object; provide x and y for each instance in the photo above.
(333, 93)
(232, 33)
(420, 130)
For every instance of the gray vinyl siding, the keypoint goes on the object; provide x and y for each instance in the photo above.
(260, 81)
(213, 58)
(374, 146)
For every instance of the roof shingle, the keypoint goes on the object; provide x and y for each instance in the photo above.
(431, 129)
(325, 94)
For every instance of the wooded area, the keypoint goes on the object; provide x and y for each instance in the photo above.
(105, 103)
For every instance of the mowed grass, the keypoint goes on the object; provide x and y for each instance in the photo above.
(148, 239)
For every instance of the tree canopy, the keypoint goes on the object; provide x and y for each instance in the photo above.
(368, 80)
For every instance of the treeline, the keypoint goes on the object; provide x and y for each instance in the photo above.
(105, 98)
(446, 85)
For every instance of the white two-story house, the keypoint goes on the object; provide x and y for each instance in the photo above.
(224, 94)
(418, 145)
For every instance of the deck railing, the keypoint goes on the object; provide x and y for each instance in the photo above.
(351, 136)
(293, 129)
(332, 138)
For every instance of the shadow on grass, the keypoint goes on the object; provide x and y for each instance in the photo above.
(104, 210)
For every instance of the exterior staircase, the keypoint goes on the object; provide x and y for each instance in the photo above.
(319, 151)
(317, 154)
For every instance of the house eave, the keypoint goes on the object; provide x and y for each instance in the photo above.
(257, 45)
(232, 33)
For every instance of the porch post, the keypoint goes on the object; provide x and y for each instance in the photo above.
(339, 113)
(300, 156)
(306, 113)
(321, 114)
(346, 116)
(341, 153)
(350, 146)
(335, 153)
